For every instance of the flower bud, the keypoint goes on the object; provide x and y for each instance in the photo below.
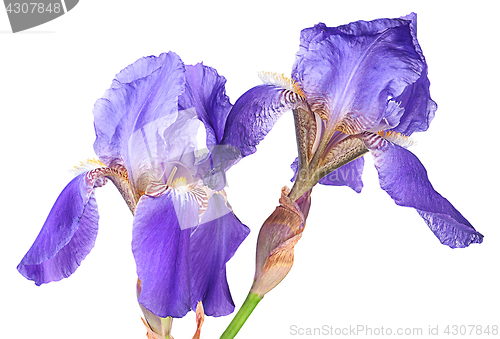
(277, 238)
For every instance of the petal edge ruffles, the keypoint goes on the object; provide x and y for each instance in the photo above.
(205, 91)
(213, 243)
(404, 178)
(358, 69)
(253, 116)
(180, 267)
(142, 93)
(160, 251)
(67, 235)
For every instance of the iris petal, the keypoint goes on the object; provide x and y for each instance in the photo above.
(358, 69)
(212, 245)
(160, 250)
(205, 94)
(155, 150)
(67, 235)
(142, 94)
(405, 179)
(205, 91)
(180, 267)
(254, 115)
(418, 108)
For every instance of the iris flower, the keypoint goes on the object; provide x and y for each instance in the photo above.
(361, 88)
(184, 230)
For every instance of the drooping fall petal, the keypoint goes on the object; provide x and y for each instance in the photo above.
(254, 115)
(211, 246)
(67, 235)
(179, 266)
(161, 251)
(405, 179)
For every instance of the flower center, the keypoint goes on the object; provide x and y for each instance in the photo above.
(180, 184)
(397, 138)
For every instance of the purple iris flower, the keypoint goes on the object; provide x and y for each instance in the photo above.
(184, 231)
(361, 88)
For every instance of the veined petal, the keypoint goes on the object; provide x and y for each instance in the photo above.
(355, 70)
(206, 96)
(405, 179)
(186, 208)
(144, 93)
(154, 152)
(418, 107)
(206, 93)
(161, 249)
(67, 235)
(212, 244)
(347, 175)
(255, 113)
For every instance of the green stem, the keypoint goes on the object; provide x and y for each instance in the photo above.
(239, 319)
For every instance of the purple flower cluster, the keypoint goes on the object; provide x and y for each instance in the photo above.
(354, 89)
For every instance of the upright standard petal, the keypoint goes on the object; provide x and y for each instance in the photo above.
(206, 93)
(161, 249)
(212, 244)
(67, 236)
(154, 151)
(354, 71)
(418, 107)
(405, 179)
(143, 93)
(255, 113)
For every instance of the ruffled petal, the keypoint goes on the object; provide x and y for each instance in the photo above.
(157, 151)
(178, 267)
(161, 249)
(212, 245)
(140, 105)
(67, 235)
(418, 107)
(405, 179)
(357, 69)
(347, 175)
(206, 93)
(254, 114)
(206, 96)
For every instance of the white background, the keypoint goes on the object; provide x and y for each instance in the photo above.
(362, 259)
